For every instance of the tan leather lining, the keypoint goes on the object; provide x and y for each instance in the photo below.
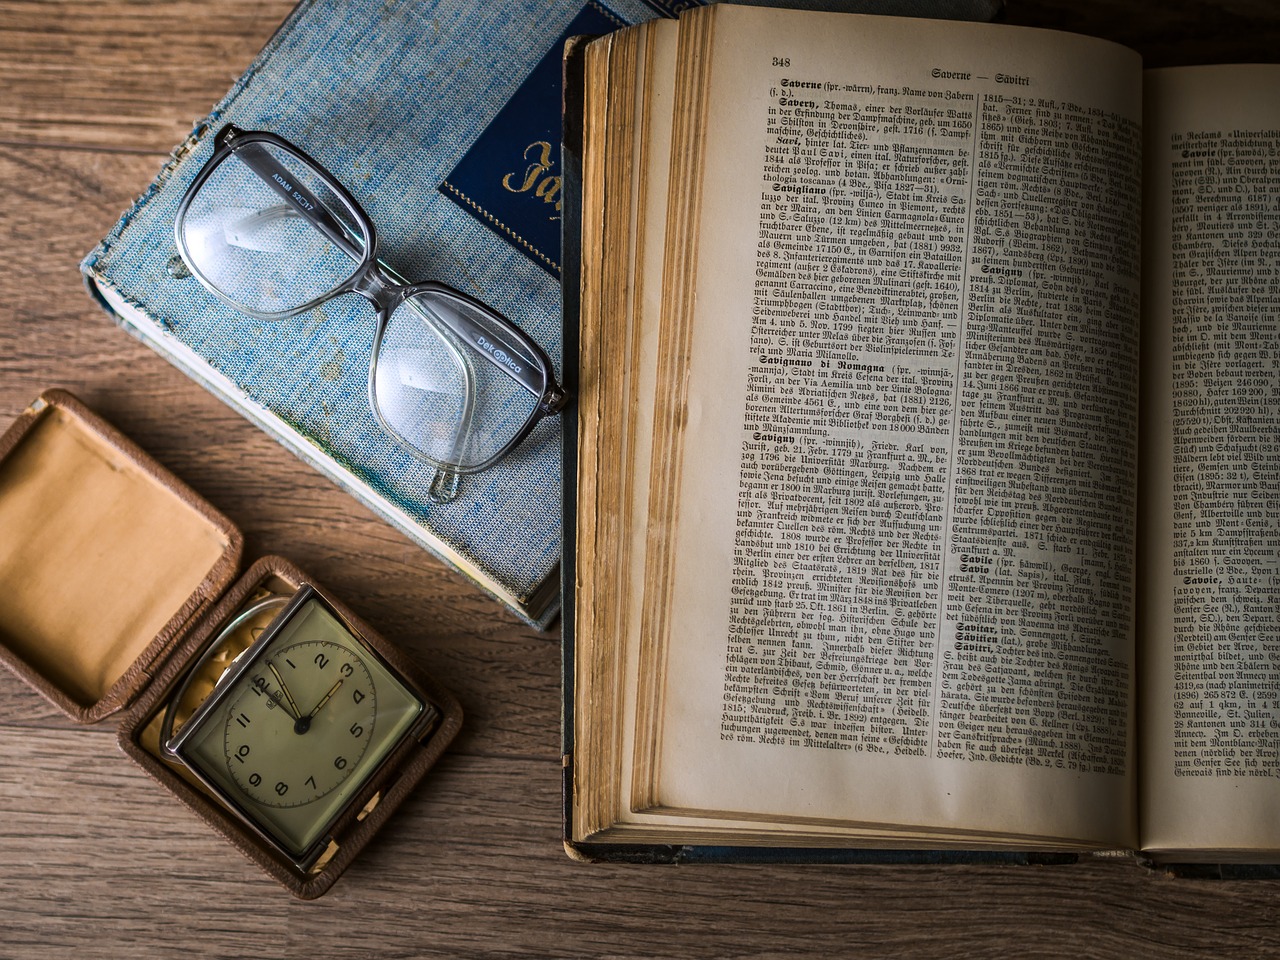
(96, 555)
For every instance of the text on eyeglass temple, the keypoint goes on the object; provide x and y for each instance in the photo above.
(500, 355)
(295, 194)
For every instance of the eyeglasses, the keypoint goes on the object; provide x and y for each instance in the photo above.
(271, 233)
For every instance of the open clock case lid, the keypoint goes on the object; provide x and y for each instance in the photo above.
(114, 575)
(106, 558)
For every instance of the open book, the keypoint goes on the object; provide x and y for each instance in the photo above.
(871, 549)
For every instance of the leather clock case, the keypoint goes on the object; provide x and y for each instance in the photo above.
(390, 786)
(114, 575)
(106, 558)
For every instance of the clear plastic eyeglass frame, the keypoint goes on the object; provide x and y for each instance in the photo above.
(271, 233)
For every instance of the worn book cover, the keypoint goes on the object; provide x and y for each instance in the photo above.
(444, 122)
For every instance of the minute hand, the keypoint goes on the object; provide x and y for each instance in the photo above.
(325, 699)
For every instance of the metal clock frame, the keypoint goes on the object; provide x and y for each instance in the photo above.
(172, 745)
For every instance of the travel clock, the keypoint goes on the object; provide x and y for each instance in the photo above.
(297, 724)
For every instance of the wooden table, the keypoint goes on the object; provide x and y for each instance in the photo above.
(96, 860)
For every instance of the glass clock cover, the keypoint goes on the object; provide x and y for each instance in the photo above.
(298, 725)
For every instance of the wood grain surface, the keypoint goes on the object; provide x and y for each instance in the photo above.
(97, 861)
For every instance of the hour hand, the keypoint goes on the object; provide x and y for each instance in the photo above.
(290, 703)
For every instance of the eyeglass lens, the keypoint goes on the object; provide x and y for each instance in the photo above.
(458, 404)
(246, 236)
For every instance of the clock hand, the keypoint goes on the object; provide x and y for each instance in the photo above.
(325, 699)
(293, 706)
(303, 724)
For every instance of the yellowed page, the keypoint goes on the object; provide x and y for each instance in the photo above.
(646, 302)
(760, 668)
(1211, 463)
(654, 91)
(594, 671)
(639, 95)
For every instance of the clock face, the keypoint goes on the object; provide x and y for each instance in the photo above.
(293, 732)
(321, 699)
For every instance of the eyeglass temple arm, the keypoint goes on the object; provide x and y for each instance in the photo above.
(276, 176)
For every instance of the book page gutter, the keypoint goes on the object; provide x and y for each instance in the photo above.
(903, 584)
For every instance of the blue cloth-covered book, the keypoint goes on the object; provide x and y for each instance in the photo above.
(443, 119)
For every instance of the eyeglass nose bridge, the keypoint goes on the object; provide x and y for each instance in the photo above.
(376, 284)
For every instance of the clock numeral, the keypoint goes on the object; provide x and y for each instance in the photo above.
(242, 720)
(290, 663)
(282, 788)
(321, 661)
(340, 763)
(259, 685)
(312, 781)
(357, 730)
(347, 669)
(242, 752)
(357, 696)
(255, 780)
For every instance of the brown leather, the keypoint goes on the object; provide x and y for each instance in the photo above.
(114, 575)
(105, 558)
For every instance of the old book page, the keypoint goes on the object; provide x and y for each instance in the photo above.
(895, 433)
(630, 91)
(1211, 457)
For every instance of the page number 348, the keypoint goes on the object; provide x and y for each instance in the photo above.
(782, 61)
